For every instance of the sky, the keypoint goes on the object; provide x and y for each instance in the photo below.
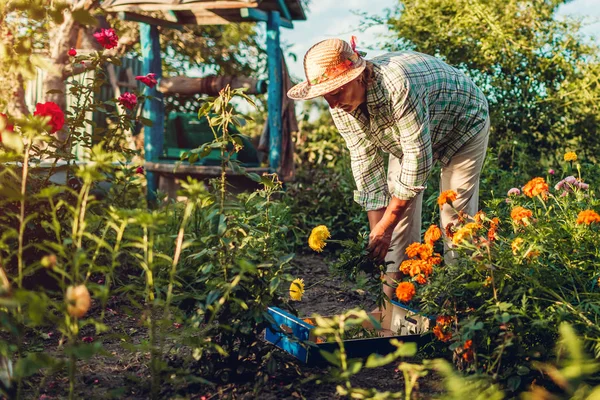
(334, 18)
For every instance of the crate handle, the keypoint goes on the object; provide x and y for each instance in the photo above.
(286, 328)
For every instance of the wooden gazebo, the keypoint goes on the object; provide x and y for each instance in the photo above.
(176, 13)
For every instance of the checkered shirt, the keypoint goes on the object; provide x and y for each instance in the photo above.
(420, 110)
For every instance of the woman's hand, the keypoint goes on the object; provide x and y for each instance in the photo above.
(382, 223)
(379, 241)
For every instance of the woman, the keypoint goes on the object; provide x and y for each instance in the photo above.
(417, 109)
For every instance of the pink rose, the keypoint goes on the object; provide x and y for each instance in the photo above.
(148, 80)
(107, 38)
(514, 192)
(128, 100)
(52, 110)
(72, 52)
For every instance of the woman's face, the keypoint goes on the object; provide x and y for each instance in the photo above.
(348, 97)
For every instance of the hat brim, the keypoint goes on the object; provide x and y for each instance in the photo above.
(306, 91)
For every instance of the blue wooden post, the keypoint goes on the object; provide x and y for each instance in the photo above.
(274, 92)
(154, 109)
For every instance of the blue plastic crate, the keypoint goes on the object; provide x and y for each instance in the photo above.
(293, 335)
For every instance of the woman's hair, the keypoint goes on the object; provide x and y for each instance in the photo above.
(368, 76)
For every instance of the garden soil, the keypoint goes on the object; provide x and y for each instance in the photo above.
(120, 371)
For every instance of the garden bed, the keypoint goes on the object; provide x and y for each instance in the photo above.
(120, 373)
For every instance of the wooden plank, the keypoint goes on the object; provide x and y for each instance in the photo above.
(274, 90)
(212, 5)
(154, 109)
(130, 16)
(254, 14)
(284, 10)
(210, 85)
(190, 169)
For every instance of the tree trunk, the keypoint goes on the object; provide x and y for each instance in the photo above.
(63, 37)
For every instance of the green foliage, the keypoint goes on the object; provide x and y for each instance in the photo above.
(538, 72)
(510, 290)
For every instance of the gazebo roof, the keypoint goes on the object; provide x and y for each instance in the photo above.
(207, 12)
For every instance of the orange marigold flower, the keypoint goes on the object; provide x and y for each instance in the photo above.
(449, 231)
(413, 249)
(447, 196)
(587, 217)
(493, 229)
(421, 280)
(435, 260)
(433, 234)
(536, 186)
(488, 281)
(405, 291)
(520, 214)
(415, 267)
(439, 333)
(467, 351)
(425, 251)
(532, 254)
(443, 320)
(479, 216)
(426, 268)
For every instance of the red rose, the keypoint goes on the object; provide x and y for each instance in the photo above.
(128, 100)
(139, 170)
(107, 38)
(7, 126)
(72, 52)
(52, 110)
(148, 80)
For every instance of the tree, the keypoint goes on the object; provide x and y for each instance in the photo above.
(539, 73)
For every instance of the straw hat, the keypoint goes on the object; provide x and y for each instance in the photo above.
(328, 65)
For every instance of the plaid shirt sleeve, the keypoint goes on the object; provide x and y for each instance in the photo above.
(367, 168)
(410, 113)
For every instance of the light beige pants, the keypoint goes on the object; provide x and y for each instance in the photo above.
(461, 175)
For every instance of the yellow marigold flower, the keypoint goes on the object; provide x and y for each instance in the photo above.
(447, 196)
(405, 291)
(516, 245)
(536, 186)
(587, 217)
(465, 232)
(570, 156)
(520, 215)
(78, 300)
(318, 237)
(433, 234)
(297, 289)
